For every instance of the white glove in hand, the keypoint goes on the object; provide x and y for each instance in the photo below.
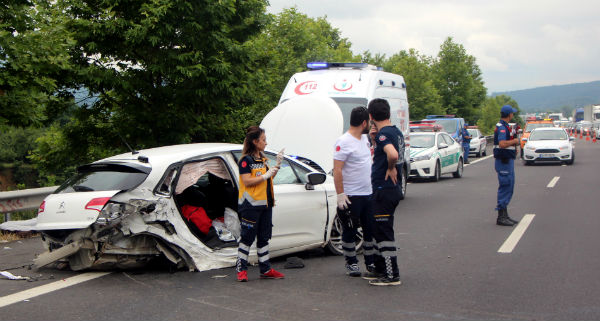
(270, 173)
(280, 158)
(342, 201)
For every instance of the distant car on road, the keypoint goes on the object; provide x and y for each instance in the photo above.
(434, 154)
(549, 145)
(478, 142)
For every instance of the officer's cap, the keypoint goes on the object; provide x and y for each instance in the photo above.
(507, 109)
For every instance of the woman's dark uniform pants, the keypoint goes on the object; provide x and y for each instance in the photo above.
(255, 223)
(358, 215)
(384, 205)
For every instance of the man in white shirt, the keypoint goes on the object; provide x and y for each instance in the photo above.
(352, 178)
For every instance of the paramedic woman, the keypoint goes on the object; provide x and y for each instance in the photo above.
(255, 203)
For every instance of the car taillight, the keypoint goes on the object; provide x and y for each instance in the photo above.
(42, 207)
(97, 204)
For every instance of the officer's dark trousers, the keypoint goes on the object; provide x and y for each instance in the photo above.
(466, 148)
(506, 182)
(256, 223)
(384, 202)
(360, 212)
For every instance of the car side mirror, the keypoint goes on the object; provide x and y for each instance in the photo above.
(571, 139)
(442, 145)
(314, 178)
(520, 131)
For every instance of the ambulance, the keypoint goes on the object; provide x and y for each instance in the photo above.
(336, 88)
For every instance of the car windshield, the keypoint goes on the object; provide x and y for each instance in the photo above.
(346, 106)
(548, 135)
(473, 133)
(422, 141)
(103, 178)
(532, 126)
(448, 125)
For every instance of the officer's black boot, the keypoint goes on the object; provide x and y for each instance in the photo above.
(502, 219)
(508, 217)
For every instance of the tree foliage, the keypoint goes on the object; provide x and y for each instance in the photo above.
(490, 112)
(458, 81)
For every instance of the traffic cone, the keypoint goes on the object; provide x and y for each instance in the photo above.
(581, 134)
(594, 137)
(587, 136)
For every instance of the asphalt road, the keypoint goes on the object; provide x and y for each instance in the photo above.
(448, 254)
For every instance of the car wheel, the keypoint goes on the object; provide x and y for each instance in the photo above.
(437, 173)
(484, 153)
(459, 169)
(403, 184)
(572, 160)
(334, 246)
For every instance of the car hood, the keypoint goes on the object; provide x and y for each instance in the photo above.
(68, 211)
(414, 152)
(547, 143)
(305, 126)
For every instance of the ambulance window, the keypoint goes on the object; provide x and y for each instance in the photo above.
(346, 105)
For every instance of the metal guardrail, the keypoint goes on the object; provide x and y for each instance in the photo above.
(27, 199)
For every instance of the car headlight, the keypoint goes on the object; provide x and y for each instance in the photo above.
(529, 147)
(422, 157)
(565, 147)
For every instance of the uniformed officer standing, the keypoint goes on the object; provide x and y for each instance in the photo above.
(505, 152)
(389, 147)
(466, 144)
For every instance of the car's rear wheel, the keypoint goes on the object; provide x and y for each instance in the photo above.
(403, 184)
(437, 173)
(459, 169)
(334, 246)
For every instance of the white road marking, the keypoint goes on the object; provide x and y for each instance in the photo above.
(515, 236)
(553, 182)
(479, 160)
(50, 287)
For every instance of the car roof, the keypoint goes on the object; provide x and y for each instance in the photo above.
(172, 153)
(548, 128)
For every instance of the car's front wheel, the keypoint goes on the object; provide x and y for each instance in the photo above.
(459, 169)
(403, 184)
(572, 160)
(334, 246)
(437, 173)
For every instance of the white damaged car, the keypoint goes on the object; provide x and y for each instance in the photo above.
(127, 210)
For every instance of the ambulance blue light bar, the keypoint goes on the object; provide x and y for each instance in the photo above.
(325, 65)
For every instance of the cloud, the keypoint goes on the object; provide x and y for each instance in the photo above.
(518, 44)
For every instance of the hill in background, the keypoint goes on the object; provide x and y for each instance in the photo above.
(556, 97)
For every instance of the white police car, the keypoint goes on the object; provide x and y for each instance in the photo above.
(478, 142)
(433, 154)
(549, 144)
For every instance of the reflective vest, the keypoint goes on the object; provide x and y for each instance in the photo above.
(256, 195)
(508, 152)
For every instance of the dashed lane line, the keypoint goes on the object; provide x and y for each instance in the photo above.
(50, 287)
(513, 239)
(553, 182)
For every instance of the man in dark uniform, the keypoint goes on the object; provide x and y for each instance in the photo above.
(505, 152)
(466, 143)
(389, 147)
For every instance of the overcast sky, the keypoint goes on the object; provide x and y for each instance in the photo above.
(518, 44)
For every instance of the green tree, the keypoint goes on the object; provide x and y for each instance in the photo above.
(34, 63)
(290, 40)
(416, 70)
(458, 81)
(490, 112)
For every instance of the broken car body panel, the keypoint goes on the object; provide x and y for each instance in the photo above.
(143, 223)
